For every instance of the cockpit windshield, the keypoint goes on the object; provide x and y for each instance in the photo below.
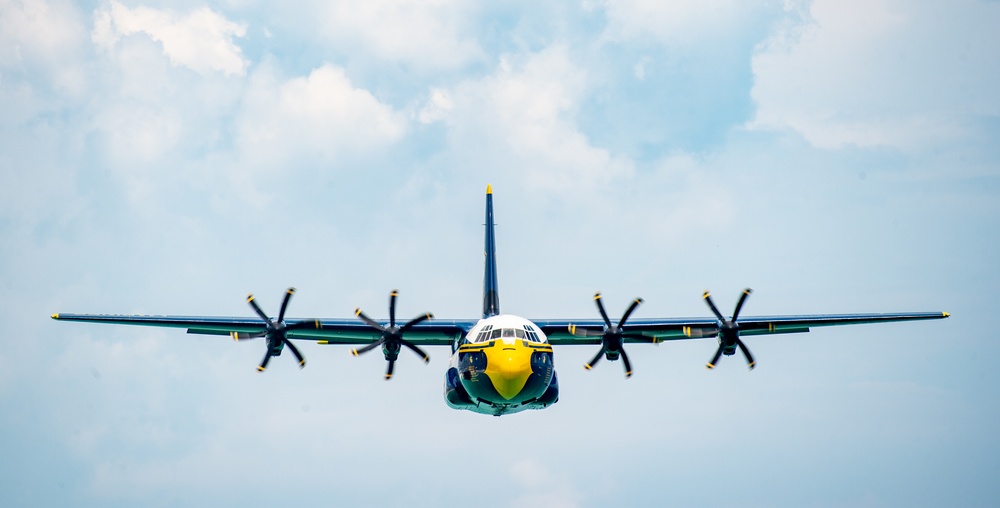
(524, 332)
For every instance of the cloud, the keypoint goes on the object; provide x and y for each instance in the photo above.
(682, 23)
(322, 115)
(879, 73)
(201, 40)
(437, 34)
(522, 118)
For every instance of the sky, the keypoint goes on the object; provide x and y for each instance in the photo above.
(171, 157)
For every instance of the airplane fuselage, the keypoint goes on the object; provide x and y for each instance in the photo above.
(502, 366)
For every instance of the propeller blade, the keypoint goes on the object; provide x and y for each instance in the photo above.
(305, 325)
(711, 305)
(263, 363)
(295, 351)
(600, 307)
(284, 304)
(237, 336)
(388, 370)
(628, 364)
(746, 352)
(590, 365)
(392, 307)
(414, 321)
(256, 308)
(583, 332)
(368, 348)
(628, 312)
(413, 347)
(371, 322)
(715, 359)
(739, 304)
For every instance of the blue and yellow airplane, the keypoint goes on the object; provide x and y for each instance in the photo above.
(502, 363)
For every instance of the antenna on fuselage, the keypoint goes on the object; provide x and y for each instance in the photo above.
(491, 295)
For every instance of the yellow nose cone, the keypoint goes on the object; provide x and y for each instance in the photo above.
(508, 367)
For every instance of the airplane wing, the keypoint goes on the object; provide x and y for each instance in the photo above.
(432, 332)
(588, 331)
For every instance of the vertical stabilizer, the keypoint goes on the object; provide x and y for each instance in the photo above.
(491, 296)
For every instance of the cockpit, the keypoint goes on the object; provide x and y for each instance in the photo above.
(523, 332)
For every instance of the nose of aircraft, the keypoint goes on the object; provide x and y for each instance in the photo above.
(508, 367)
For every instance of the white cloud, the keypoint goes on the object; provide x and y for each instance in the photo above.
(684, 22)
(880, 73)
(434, 34)
(43, 36)
(522, 118)
(320, 115)
(201, 40)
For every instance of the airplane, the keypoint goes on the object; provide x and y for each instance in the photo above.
(502, 363)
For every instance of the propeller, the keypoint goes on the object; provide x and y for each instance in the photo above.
(275, 331)
(391, 338)
(612, 337)
(729, 331)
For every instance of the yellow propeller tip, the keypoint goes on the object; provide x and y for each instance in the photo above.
(628, 374)
(709, 366)
(489, 189)
(354, 352)
(56, 316)
(943, 314)
(587, 366)
(388, 377)
(705, 294)
(357, 311)
(260, 369)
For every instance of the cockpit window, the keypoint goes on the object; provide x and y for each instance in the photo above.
(484, 334)
(530, 333)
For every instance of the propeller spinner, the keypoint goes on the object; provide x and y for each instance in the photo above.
(612, 337)
(729, 332)
(275, 331)
(391, 338)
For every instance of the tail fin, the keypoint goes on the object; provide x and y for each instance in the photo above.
(491, 296)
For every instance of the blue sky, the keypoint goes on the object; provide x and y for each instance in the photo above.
(170, 157)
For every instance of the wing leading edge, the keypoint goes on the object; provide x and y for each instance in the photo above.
(435, 332)
(568, 331)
